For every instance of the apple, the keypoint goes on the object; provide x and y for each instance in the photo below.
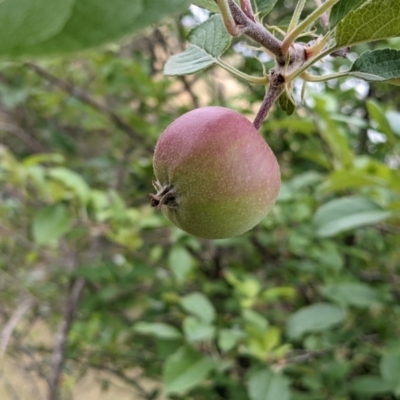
(216, 177)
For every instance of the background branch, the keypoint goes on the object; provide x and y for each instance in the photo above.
(86, 98)
(58, 357)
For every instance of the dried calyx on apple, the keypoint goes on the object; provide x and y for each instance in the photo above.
(216, 177)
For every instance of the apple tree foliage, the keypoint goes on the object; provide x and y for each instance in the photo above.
(304, 306)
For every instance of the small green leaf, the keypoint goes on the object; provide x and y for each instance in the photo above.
(197, 304)
(382, 65)
(333, 133)
(341, 9)
(279, 293)
(346, 213)
(267, 385)
(351, 294)
(155, 11)
(40, 158)
(184, 370)
(263, 6)
(287, 103)
(207, 42)
(209, 5)
(369, 385)
(374, 20)
(228, 338)
(393, 118)
(180, 262)
(193, 59)
(72, 181)
(27, 22)
(314, 318)
(157, 329)
(50, 223)
(346, 179)
(255, 319)
(390, 371)
(377, 114)
(197, 330)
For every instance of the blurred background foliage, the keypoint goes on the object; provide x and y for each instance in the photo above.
(304, 306)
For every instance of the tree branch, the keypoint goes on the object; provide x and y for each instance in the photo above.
(58, 357)
(86, 98)
(257, 32)
(275, 89)
(8, 329)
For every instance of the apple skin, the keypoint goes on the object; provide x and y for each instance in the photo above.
(216, 175)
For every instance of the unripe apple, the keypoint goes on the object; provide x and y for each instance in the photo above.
(216, 175)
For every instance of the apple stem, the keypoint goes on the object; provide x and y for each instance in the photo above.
(275, 89)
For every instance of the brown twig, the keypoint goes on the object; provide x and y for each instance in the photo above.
(34, 145)
(86, 98)
(58, 356)
(275, 89)
(257, 32)
(8, 329)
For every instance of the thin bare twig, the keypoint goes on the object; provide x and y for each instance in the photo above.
(86, 98)
(257, 32)
(7, 331)
(33, 144)
(58, 357)
(275, 89)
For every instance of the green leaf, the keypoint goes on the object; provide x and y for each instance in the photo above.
(157, 329)
(197, 304)
(341, 9)
(346, 179)
(40, 158)
(263, 6)
(207, 42)
(279, 293)
(351, 294)
(393, 118)
(314, 318)
(287, 103)
(376, 113)
(197, 330)
(228, 339)
(184, 370)
(267, 385)
(390, 371)
(334, 135)
(346, 213)
(155, 11)
(27, 22)
(374, 20)
(50, 223)
(255, 319)
(381, 65)
(95, 22)
(369, 385)
(72, 181)
(209, 5)
(193, 59)
(180, 262)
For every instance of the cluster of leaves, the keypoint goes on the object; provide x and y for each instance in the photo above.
(306, 306)
(350, 23)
